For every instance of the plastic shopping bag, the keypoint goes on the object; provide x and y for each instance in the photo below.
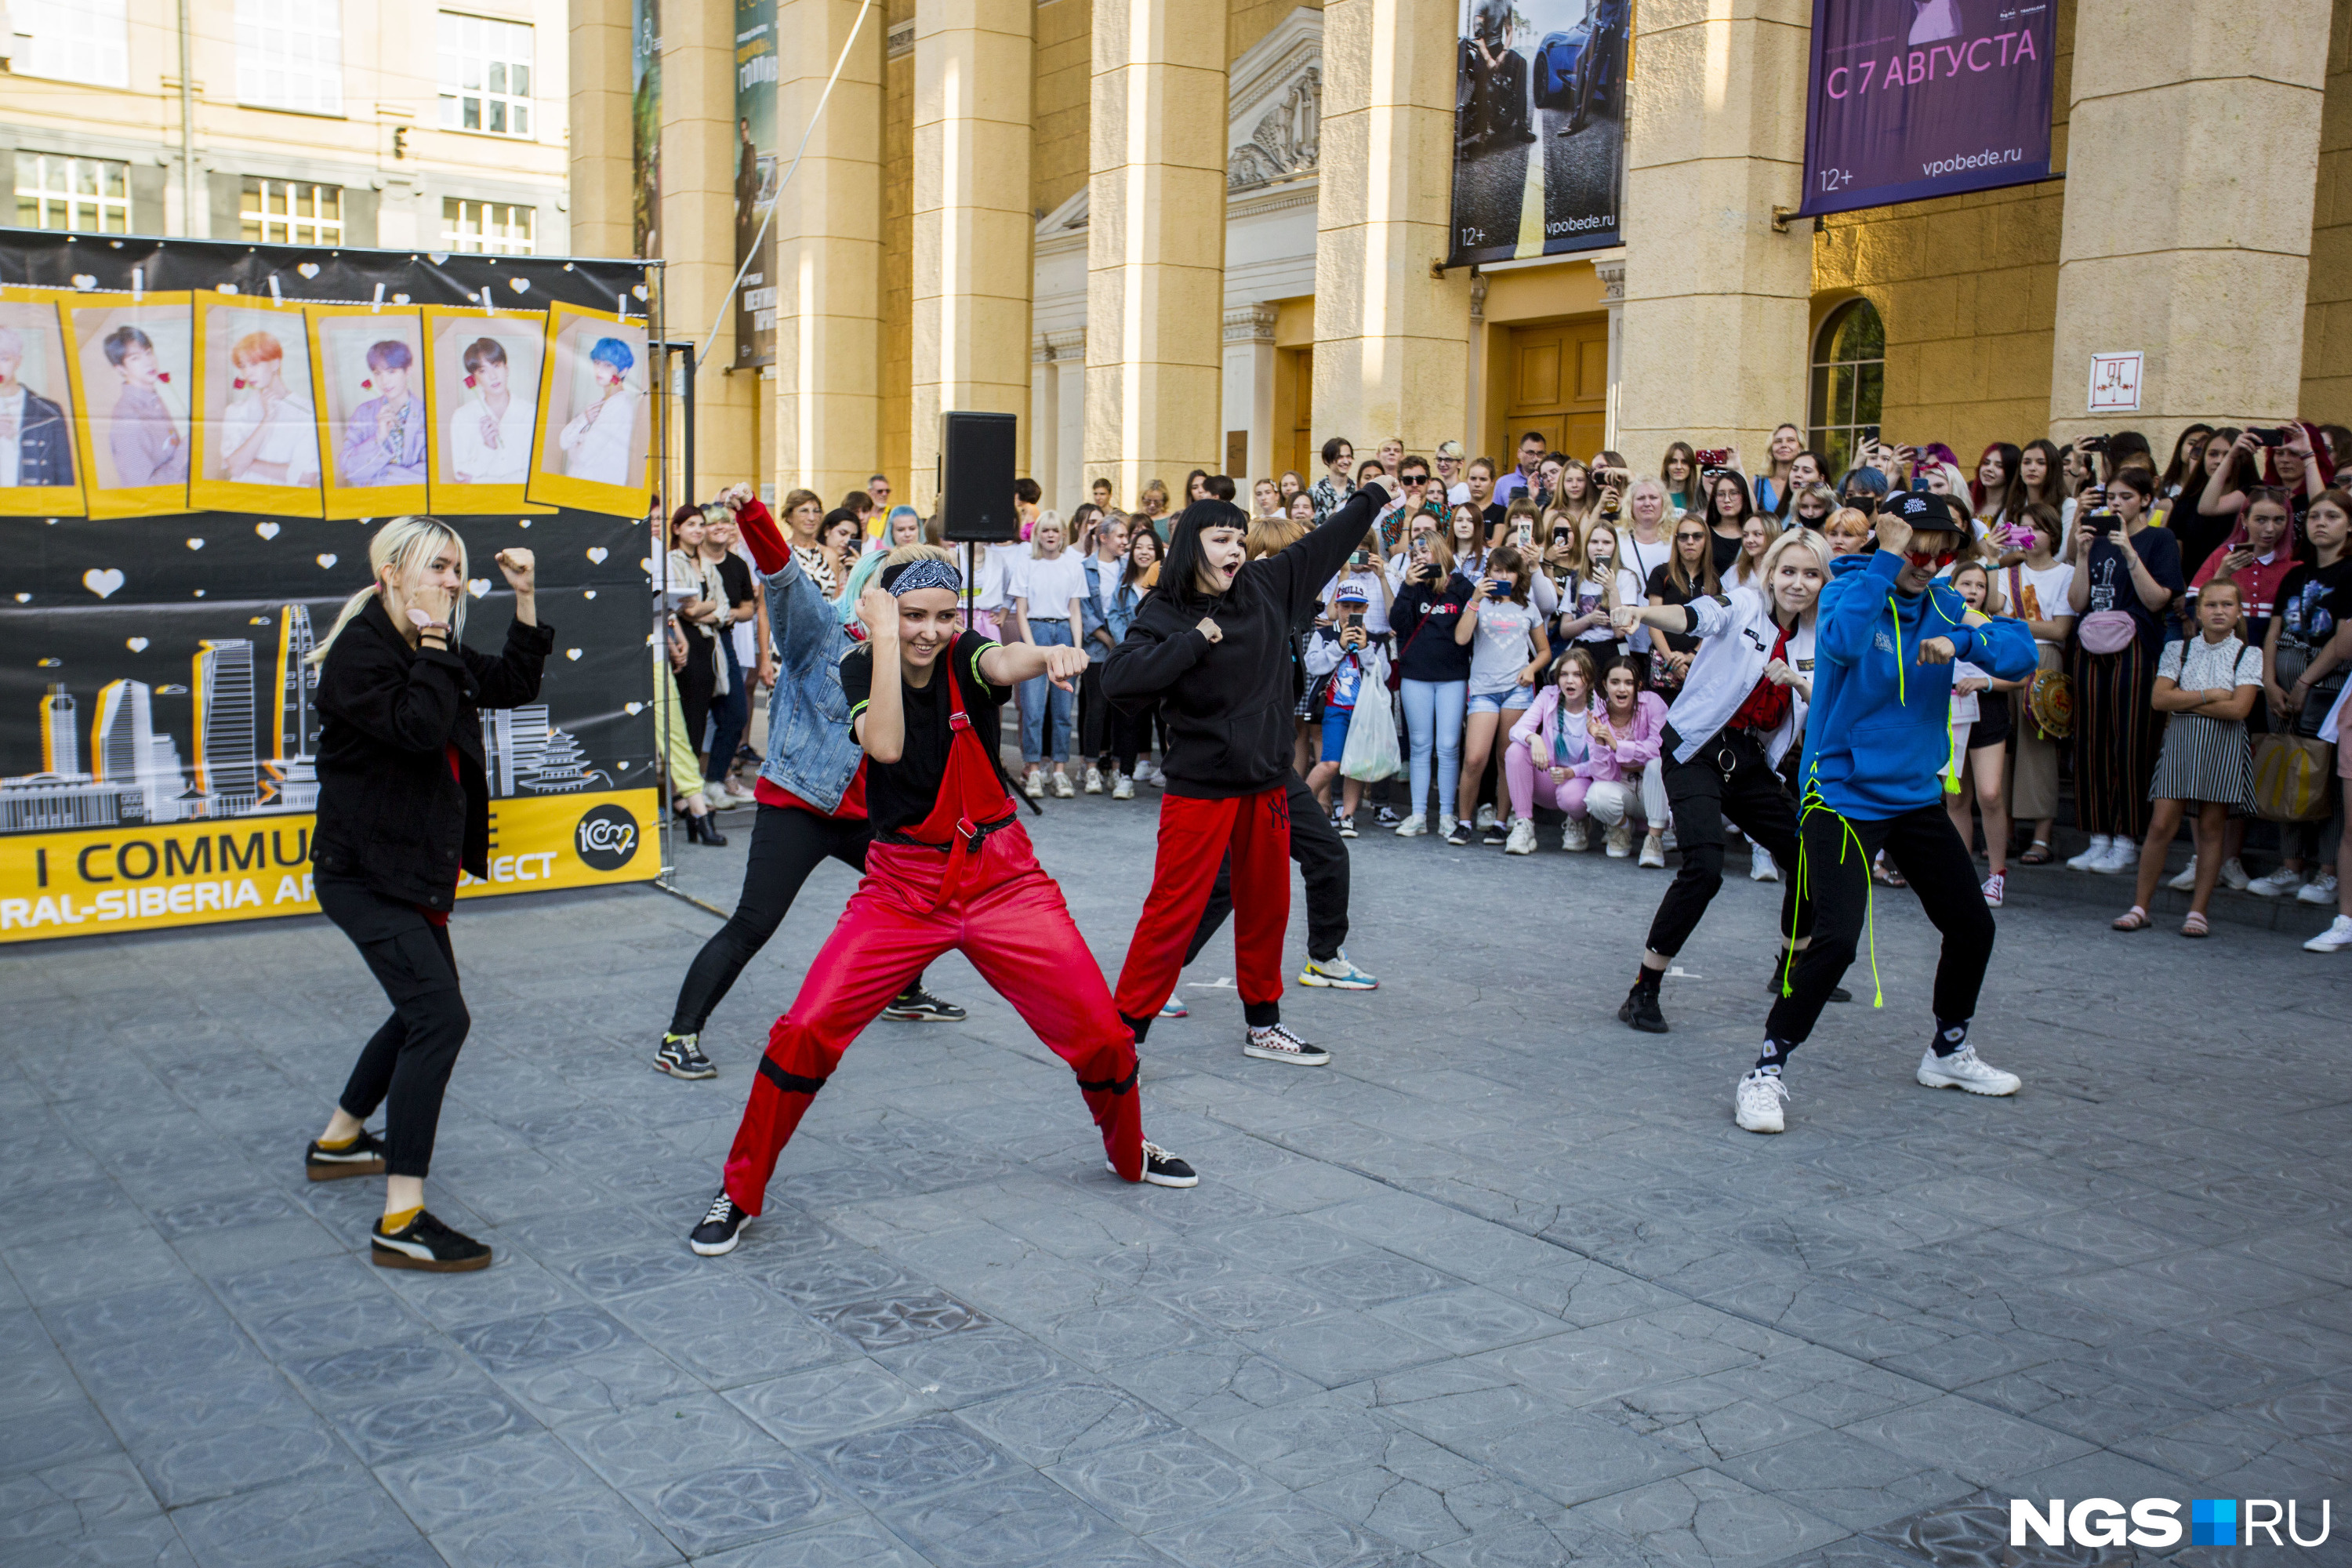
(1372, 753)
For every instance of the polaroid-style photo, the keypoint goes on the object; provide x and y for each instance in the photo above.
(257, 426)
(374, 424)
(482, 376)
(40, 471)
(595, 414)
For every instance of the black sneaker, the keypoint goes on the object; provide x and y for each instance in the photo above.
(1461, 833)
(681, 1055)
(425, 1243)
(1641, 1010)
(1161, 1168)
(1346, 825)
(1496, 834)
(1276, 1043)
(1837, 993)
(1386, 816)
(364, 1157)
(720, 1228)
(917, 1005)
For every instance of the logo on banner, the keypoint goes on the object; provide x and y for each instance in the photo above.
(606, 837)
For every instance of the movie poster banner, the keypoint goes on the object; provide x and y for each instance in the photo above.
(159, 721)
(1913, 99)
(756, 176)
(644, 125)
(1539, 128)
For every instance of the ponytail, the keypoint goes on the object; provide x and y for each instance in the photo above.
(404, 545)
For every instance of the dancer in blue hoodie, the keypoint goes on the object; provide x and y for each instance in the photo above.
(1876, 745)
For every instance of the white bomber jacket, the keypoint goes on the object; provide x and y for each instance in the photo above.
(1738, 631)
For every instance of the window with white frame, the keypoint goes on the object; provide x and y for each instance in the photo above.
(486, 71)
(74, 40)
(291, 212)
(92, 195)
(289, 55)
(500, 228)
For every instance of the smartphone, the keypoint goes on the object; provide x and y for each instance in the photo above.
(1497, 589)
(1357, 559)
(1353, 620)
(2094, 443)
(1867, 436)
(1714, 457)
(2271, 438)
(1523, 534)
(1563, 536)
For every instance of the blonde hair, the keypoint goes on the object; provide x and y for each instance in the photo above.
(256, 348)
(1804, 539)
(906, 552)
(1268, 534)
(405, 544)
(1773, 531)
(1047, 518)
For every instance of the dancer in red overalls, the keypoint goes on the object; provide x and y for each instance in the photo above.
(1211, 645)
(949, 868)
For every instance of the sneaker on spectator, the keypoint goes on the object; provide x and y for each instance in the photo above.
(1496, 834)
(1093, 781)
(1338, 973)
(2277, 885)
(715, 791)
(2122, 856)
(1386, 816)
(1345, 824)
(1573, 837)
(2101, 844)
(1457, 830)
(1653, 853)
(2320, 889)
(1670, 838)
(1412, 826)
(1172, 1008)
(1964, 1070)
(1522, 840)
(1486, 818)
(1760, 865)
(1033, 784)
(1063, 788)
(1756, 1105)
(2233, 875)
(2336, 938)
(2187, 881)
(1620, 841)
(1995, 887)
(1121, 787)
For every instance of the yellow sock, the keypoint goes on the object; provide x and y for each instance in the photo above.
(337, 1145)
(396, 1222)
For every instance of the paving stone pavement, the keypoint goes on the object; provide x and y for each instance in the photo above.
(1503, 1286)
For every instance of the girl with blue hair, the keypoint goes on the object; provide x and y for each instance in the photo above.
(600, 440)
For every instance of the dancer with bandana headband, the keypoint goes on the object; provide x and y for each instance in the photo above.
(949, 868)
(1211, 645)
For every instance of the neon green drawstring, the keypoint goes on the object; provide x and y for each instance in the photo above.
(1902, 696)
(1804, 886)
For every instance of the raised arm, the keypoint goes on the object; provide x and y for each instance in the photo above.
(1146, 664)
(1315, 560)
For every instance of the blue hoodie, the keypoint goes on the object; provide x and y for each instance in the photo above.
(1879, 733)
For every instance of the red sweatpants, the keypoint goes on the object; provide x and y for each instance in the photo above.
(1009, 919)
(1194, 837)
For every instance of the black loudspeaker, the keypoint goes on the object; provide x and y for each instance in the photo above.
(976, 477)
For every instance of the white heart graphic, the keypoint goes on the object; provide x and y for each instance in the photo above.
(84, 281)
(400, 298)
(625, 767)
(639, 291)
(309, 269)
(326, 561)
(587, 593)
(438, 257)
(522, 522)
(51, 663)
(267, 530)
(597, 552)
(23, 598)
(520, 284)
(196, 544)
(633, 709)
(200, 592)
(477, 587)
(136, 645)
(644, 566)
(102, 581)
(573, 653)
(226, 288)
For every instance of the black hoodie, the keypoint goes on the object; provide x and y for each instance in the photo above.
(1228, 705)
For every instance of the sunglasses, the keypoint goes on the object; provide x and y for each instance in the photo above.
(1938, 559)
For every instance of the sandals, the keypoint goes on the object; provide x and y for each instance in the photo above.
(1885, 874)
(2037, 855)
(2136, 919)
(2195, 925)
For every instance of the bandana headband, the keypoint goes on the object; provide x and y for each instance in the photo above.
(924, 572)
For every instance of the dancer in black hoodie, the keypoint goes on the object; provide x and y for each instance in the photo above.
(1211, 645)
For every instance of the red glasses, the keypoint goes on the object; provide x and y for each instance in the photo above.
(1938, 559)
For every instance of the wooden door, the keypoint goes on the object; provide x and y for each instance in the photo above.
(1558, 385)
(1306, 453)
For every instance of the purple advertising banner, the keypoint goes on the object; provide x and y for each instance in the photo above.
(1912, 98)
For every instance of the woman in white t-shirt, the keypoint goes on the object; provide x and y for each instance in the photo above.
(2034, 590)
(1647, 543)
(1598, 586)
(1507, 650)
(1046, 596)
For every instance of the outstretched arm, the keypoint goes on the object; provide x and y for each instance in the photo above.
(1145, 664)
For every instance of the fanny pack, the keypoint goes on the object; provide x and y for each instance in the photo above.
(2106, 631)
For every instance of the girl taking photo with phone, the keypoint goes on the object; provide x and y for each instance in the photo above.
(2126, 575)
(2034, 590)
(1434, 669)
(1509, 647)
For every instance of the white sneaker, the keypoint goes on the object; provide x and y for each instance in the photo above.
(1151, 773)
(1093, 781)
(2320, 889)
(1760, 865)
(2123, 857)
(1486, 818)
(1670, 836)
(1572, 836)
(1063, 788)
(2101, 846)
(1756, 1104)
(1121, 787)
(1620, 841)
(2187, 881)
(2278, 884)
(1412, 826)
(1964, 1070)
(1033, 784)
(2233, 875)
(1653, 853)
(716, 793)
(1522, 840)
(2336, 938)
(1444, 826)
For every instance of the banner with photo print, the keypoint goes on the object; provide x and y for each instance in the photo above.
(1539, 128)
(206, 438)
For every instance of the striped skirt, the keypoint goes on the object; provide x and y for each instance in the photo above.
(2117, 736)
(2205, 759)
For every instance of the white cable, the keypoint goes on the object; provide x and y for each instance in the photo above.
(727, 298)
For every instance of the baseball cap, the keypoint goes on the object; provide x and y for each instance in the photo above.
(1935, 513)
(1352, 593)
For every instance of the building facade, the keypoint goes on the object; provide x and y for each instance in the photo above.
(360, 122)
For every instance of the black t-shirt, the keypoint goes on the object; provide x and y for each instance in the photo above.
(1725, 551)
(2111, 585)
(1662, 587)
(899, 794)
(2311, 601)
(1496, 515)
(737, 575)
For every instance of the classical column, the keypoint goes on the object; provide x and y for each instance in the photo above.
(1714, 141)
(1068, 413)
(1391, 348)
(2190, 155)
(1474, 425)
(1249, 388)
(972, 225)
(1613, 291)
(1155, 240)
(598, 103)
(828, 276)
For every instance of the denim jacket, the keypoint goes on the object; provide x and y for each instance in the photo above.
(1092, 618)
(811, 751)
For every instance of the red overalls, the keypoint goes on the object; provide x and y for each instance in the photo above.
(976, 887)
